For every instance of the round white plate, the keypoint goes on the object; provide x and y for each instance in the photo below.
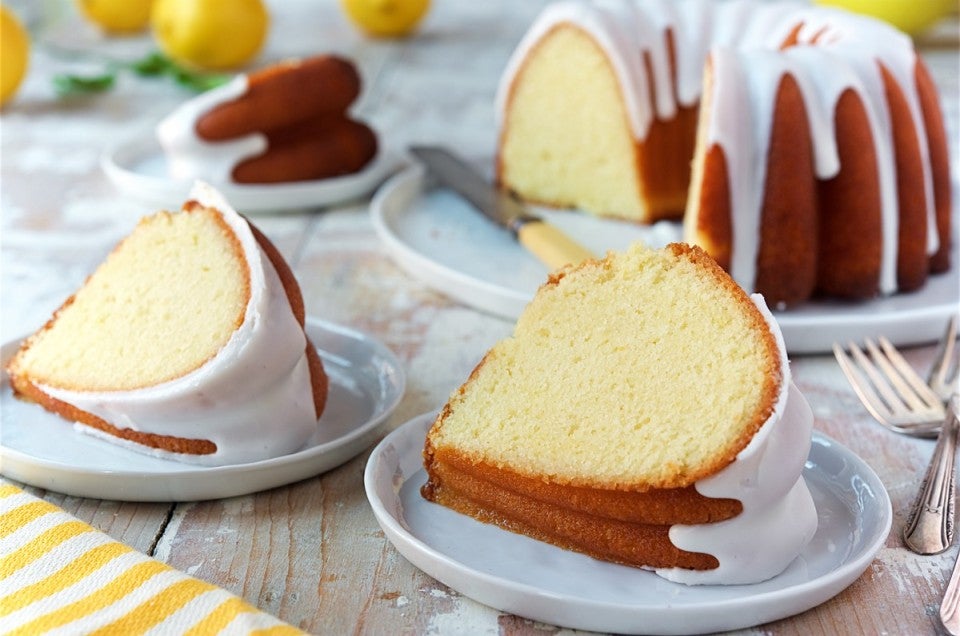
(437, 237)
(138, 168)
(516, 574)
(43, 450)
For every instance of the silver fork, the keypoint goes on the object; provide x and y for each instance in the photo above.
(901, 401)
(890, 389)
(943, 373)
(950, 605)
(943, 380)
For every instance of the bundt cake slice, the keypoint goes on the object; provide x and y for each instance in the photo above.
(641, 413)
(287, 122)
(188, 341)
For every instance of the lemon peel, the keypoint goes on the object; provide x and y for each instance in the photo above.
(117, 17)
(210, 34)
(14, 54)
(386, 18)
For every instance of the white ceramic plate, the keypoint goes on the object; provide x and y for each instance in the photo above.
(138, 168)
(516, 574)
(41, 449)
(437, 237)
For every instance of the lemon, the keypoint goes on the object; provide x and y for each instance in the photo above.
(910, 16)
(14, 53)
(117, 16)
(386, 18)
(210, 34)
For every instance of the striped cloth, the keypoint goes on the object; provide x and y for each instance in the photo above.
(58, 575)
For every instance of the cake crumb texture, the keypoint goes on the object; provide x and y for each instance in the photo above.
(118, 332)
(646, 370)
(576, 143)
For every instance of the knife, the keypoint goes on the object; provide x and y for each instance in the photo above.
(545, 241)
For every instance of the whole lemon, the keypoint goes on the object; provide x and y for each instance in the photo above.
(911, 16)
(14, 53)
(386, 18)
(210, 34)
(117, 16)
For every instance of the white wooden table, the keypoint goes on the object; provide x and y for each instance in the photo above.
(312, 553)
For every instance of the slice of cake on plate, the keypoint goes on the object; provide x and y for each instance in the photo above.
(188, 341)
(641, 413)
(288, 122)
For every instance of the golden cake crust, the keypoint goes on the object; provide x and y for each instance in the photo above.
(912, 262)
(939, 164)
(650, 507)
(282, 95)
(789, 205)
(300, 106)
(320, 148)
(851, 230)
(318, 377)
(604, 537)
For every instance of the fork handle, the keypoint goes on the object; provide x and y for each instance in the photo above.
(950, 606)
(929, 529)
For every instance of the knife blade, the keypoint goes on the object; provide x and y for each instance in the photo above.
(545, 241)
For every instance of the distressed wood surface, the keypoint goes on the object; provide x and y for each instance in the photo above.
(312, 552)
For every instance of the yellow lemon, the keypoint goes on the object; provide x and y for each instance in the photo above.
(14, 53)
(911, 16)
(386, 18)
(210, 34)
(117, 16)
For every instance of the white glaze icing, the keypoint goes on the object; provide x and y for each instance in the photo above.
(779, 517)
(253, 399)
(746, 82)
(189, 156)
(748, 34)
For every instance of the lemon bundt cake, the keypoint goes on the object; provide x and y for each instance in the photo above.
(186, 342)
(641, 413)
(819, 154)
(288, 122)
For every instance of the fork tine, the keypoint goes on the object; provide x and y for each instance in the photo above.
(894, 403)
(861, 386)
(945, 364)
(922, 396)
(898, 386)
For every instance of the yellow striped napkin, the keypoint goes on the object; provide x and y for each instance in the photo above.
(60, 575)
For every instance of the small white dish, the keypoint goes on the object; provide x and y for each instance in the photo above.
(44, 450)
(138, 168)
(437, 237)
(519, 575)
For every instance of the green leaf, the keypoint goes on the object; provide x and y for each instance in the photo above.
(157, 63)
(154, 64)
(198, 81)
(67, 85)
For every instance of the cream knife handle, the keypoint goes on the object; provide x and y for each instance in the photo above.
(551, 246)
